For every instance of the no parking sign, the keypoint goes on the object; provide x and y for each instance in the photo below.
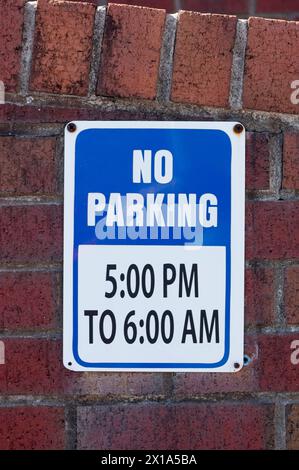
(154, 246)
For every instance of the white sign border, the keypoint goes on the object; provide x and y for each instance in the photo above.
(235, 357)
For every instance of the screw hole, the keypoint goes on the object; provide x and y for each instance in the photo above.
(237, 365)
(70, 363)
(238, 128)
(246, 360)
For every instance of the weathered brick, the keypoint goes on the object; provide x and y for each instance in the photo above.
(168, 5)
(257, 160)
(276, 6)
(272, 230)
(292, 435)
(29, 300)
(193, 426)
(259, 297)
(27, 166)
(291, 161)
(32, 428)
(221, 6)
(94, 2)
(270, 370)
(11, 26)
(203, 59)
(186, 385)
(131, 52)
(291, 294)
(30, 234)
(44, 373)
(276, 372)
(272, 64)
(62, 47)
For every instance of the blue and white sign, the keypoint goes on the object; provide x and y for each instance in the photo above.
(154, 246)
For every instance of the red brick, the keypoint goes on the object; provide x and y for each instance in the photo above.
(276, 371)
(257, 160)
(259, 297)
(94, 2)
(272, 64)
(131, 52)
(62, 47)
(34, 366)
(292, 434)
(164, 426)
(168, 5)
(291, 294)
(220, 6)
(28, 300)
(27, 166)
(188, 385)
(30, 233)
(272, 230)
(31, 367)
(11, 27)
(32, 428)
(203, 59)
(291, 161)
(276, 6)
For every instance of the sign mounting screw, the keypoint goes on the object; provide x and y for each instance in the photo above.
(71, 127)
(238, 128)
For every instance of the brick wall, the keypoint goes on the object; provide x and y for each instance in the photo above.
(64, 60)
(284, 9)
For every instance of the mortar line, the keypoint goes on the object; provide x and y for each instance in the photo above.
(50, 268)
(251, 7)
(236, 398)
(46, 334)
(166, 58)
(31, 200)
(238, 64)
(279, 296)
(177, 5)
(269, 195)
(98, 33)
(275, 147)
(271, 263)
(27, 46)
(59, 160)
(257, 120)
(280, 425)
(280, 330)
(70, 414)
(40, 131)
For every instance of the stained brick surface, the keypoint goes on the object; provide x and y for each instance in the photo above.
(62, 47)
(272, 64)
(176, 426)
(131, 54)
(27, 166)
(36, 428)
(203, 59)
(11, 27)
